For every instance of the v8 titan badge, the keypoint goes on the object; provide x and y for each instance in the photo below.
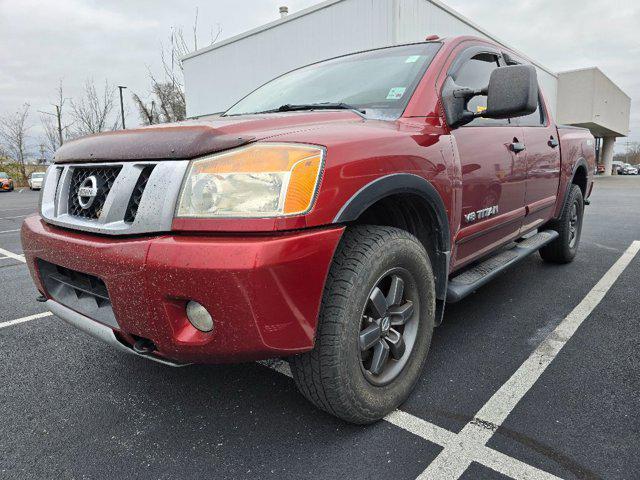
(480, 214)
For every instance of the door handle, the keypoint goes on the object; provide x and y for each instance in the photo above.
(553, 143)
(517, 146)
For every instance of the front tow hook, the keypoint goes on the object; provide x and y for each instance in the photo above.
(144, 347)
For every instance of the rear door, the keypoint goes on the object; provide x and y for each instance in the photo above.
(542, 156)
(493, 172)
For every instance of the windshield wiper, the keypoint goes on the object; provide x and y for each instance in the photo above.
(314, 106)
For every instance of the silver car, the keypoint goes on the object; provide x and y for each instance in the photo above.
(35, 180)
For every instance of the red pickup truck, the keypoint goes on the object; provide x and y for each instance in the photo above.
(328, 217)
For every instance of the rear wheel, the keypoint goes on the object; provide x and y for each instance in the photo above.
(375, 326)
(569, 226)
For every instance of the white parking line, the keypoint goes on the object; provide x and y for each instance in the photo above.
(25, 319)
(15, 256)
(440, 436)
(486, 456)
(10, 231)
(469, 446)
(17, 216)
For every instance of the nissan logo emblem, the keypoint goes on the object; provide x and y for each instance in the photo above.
(88, 192)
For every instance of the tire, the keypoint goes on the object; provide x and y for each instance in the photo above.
(336, 376)
(569, 226)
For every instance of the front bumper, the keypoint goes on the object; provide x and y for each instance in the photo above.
(263, 292)
(99, 331)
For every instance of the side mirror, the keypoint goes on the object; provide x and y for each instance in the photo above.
(512, 92)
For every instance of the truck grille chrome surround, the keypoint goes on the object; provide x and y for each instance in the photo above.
(114, 198)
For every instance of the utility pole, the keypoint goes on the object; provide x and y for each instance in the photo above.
(120, 87)
(42, 158)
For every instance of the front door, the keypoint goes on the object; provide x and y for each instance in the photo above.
(493, 172)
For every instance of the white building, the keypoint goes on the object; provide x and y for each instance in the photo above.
(219, 75)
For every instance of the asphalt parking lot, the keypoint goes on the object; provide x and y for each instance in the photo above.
(536, 376)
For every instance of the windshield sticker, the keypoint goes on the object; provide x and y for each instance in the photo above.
(396, 93)
(412, 59)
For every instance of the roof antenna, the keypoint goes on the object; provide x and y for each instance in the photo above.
(284, 11)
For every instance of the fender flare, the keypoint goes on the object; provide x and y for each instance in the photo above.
(406, 183)
(581, 162)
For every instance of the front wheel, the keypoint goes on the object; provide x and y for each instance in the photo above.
(564, 248)
(375, 326)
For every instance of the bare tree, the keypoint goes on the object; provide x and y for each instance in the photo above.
(166, 101)
(13, 134)
(51, 137)
(55, 129)
(633, 152)
(167, 104)
(4, 156)
(93, 112)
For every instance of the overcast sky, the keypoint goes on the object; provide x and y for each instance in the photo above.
(44, 41)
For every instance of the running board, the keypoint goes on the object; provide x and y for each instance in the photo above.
(470, 280)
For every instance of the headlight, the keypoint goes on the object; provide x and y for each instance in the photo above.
(261, 180)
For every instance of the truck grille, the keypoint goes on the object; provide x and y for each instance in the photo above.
(132, 198)
(136, 196)
(105, 177)
(78, 291)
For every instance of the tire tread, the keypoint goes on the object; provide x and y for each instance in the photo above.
(316, 372)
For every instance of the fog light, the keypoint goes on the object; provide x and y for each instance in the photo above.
(199, 317)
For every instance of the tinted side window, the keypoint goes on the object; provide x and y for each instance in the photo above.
(475, 73)
(535, 119)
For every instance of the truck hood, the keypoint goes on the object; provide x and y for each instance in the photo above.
(191, 139)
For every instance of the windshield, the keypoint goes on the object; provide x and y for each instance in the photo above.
(378, 82)
(3, 175)
(37, 175)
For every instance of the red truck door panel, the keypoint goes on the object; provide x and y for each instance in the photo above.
(543, 167)
(493, 174)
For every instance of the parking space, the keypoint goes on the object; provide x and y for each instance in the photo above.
(534, 376)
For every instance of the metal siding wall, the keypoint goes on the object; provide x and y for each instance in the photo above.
(216, 79)
(419, 18)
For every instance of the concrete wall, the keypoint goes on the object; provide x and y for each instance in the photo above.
(218, 76)
(588, 98)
